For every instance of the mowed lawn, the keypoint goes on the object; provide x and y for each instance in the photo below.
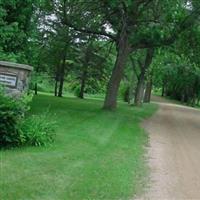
(96, 155)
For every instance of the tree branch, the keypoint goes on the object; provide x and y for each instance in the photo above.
(186, 23)
(90, 31)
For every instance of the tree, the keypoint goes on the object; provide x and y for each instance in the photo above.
(133, 25)
(60, 40)
(91, 69)
(178, 75)
(141, 78)
(16, 24)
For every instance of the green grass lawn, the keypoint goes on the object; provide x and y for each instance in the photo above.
(96, 155)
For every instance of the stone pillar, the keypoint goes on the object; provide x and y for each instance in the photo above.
(14, 77)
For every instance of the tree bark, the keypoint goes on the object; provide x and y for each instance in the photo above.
(140, 90)
(36, 89)
(62, 76)
(85, 71)
(83, 80)
(56, 81)
(123, 50)
(147, 96)
(134, 80)
(141, 81)
(60, 90)
(56, 88)
(132, 88)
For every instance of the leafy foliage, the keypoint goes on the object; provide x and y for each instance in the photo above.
(11, 114)
(16, 130)
(15, 22)
(69, 41)
(177, 75)
(37, 131)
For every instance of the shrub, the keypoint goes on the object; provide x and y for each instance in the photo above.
(124, 92)
(77, 91)
(16, 130)
(37, 131)
(11, 114)
(126, 95)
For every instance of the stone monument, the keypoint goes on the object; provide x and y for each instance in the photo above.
(14, 77)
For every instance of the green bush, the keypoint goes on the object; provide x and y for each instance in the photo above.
(16, 129)
(124, 92)
(37, 131)
(11, 114)
(77, 91)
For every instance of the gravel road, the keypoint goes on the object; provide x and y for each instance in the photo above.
(174, 153)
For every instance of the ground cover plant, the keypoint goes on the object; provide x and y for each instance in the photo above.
(97, 154)
(12, 113)
(18, 129)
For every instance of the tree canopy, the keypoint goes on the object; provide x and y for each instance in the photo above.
(104, 46)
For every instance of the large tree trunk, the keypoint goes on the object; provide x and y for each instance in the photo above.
(36, 85)
(134, 81)
(56, 81)
(132, 88)
(85, 71)
(83, 80)
(117, 73)
(62, 76)
(139, 94)
(60, 91)
(147, 96)
(56, 88)
(141, 81)
(36, 89)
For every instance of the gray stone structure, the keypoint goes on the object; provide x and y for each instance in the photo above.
(14, 77)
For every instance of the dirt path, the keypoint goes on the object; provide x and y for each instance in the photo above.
(174, 153)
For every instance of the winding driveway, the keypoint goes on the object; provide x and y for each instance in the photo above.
(174, 153)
